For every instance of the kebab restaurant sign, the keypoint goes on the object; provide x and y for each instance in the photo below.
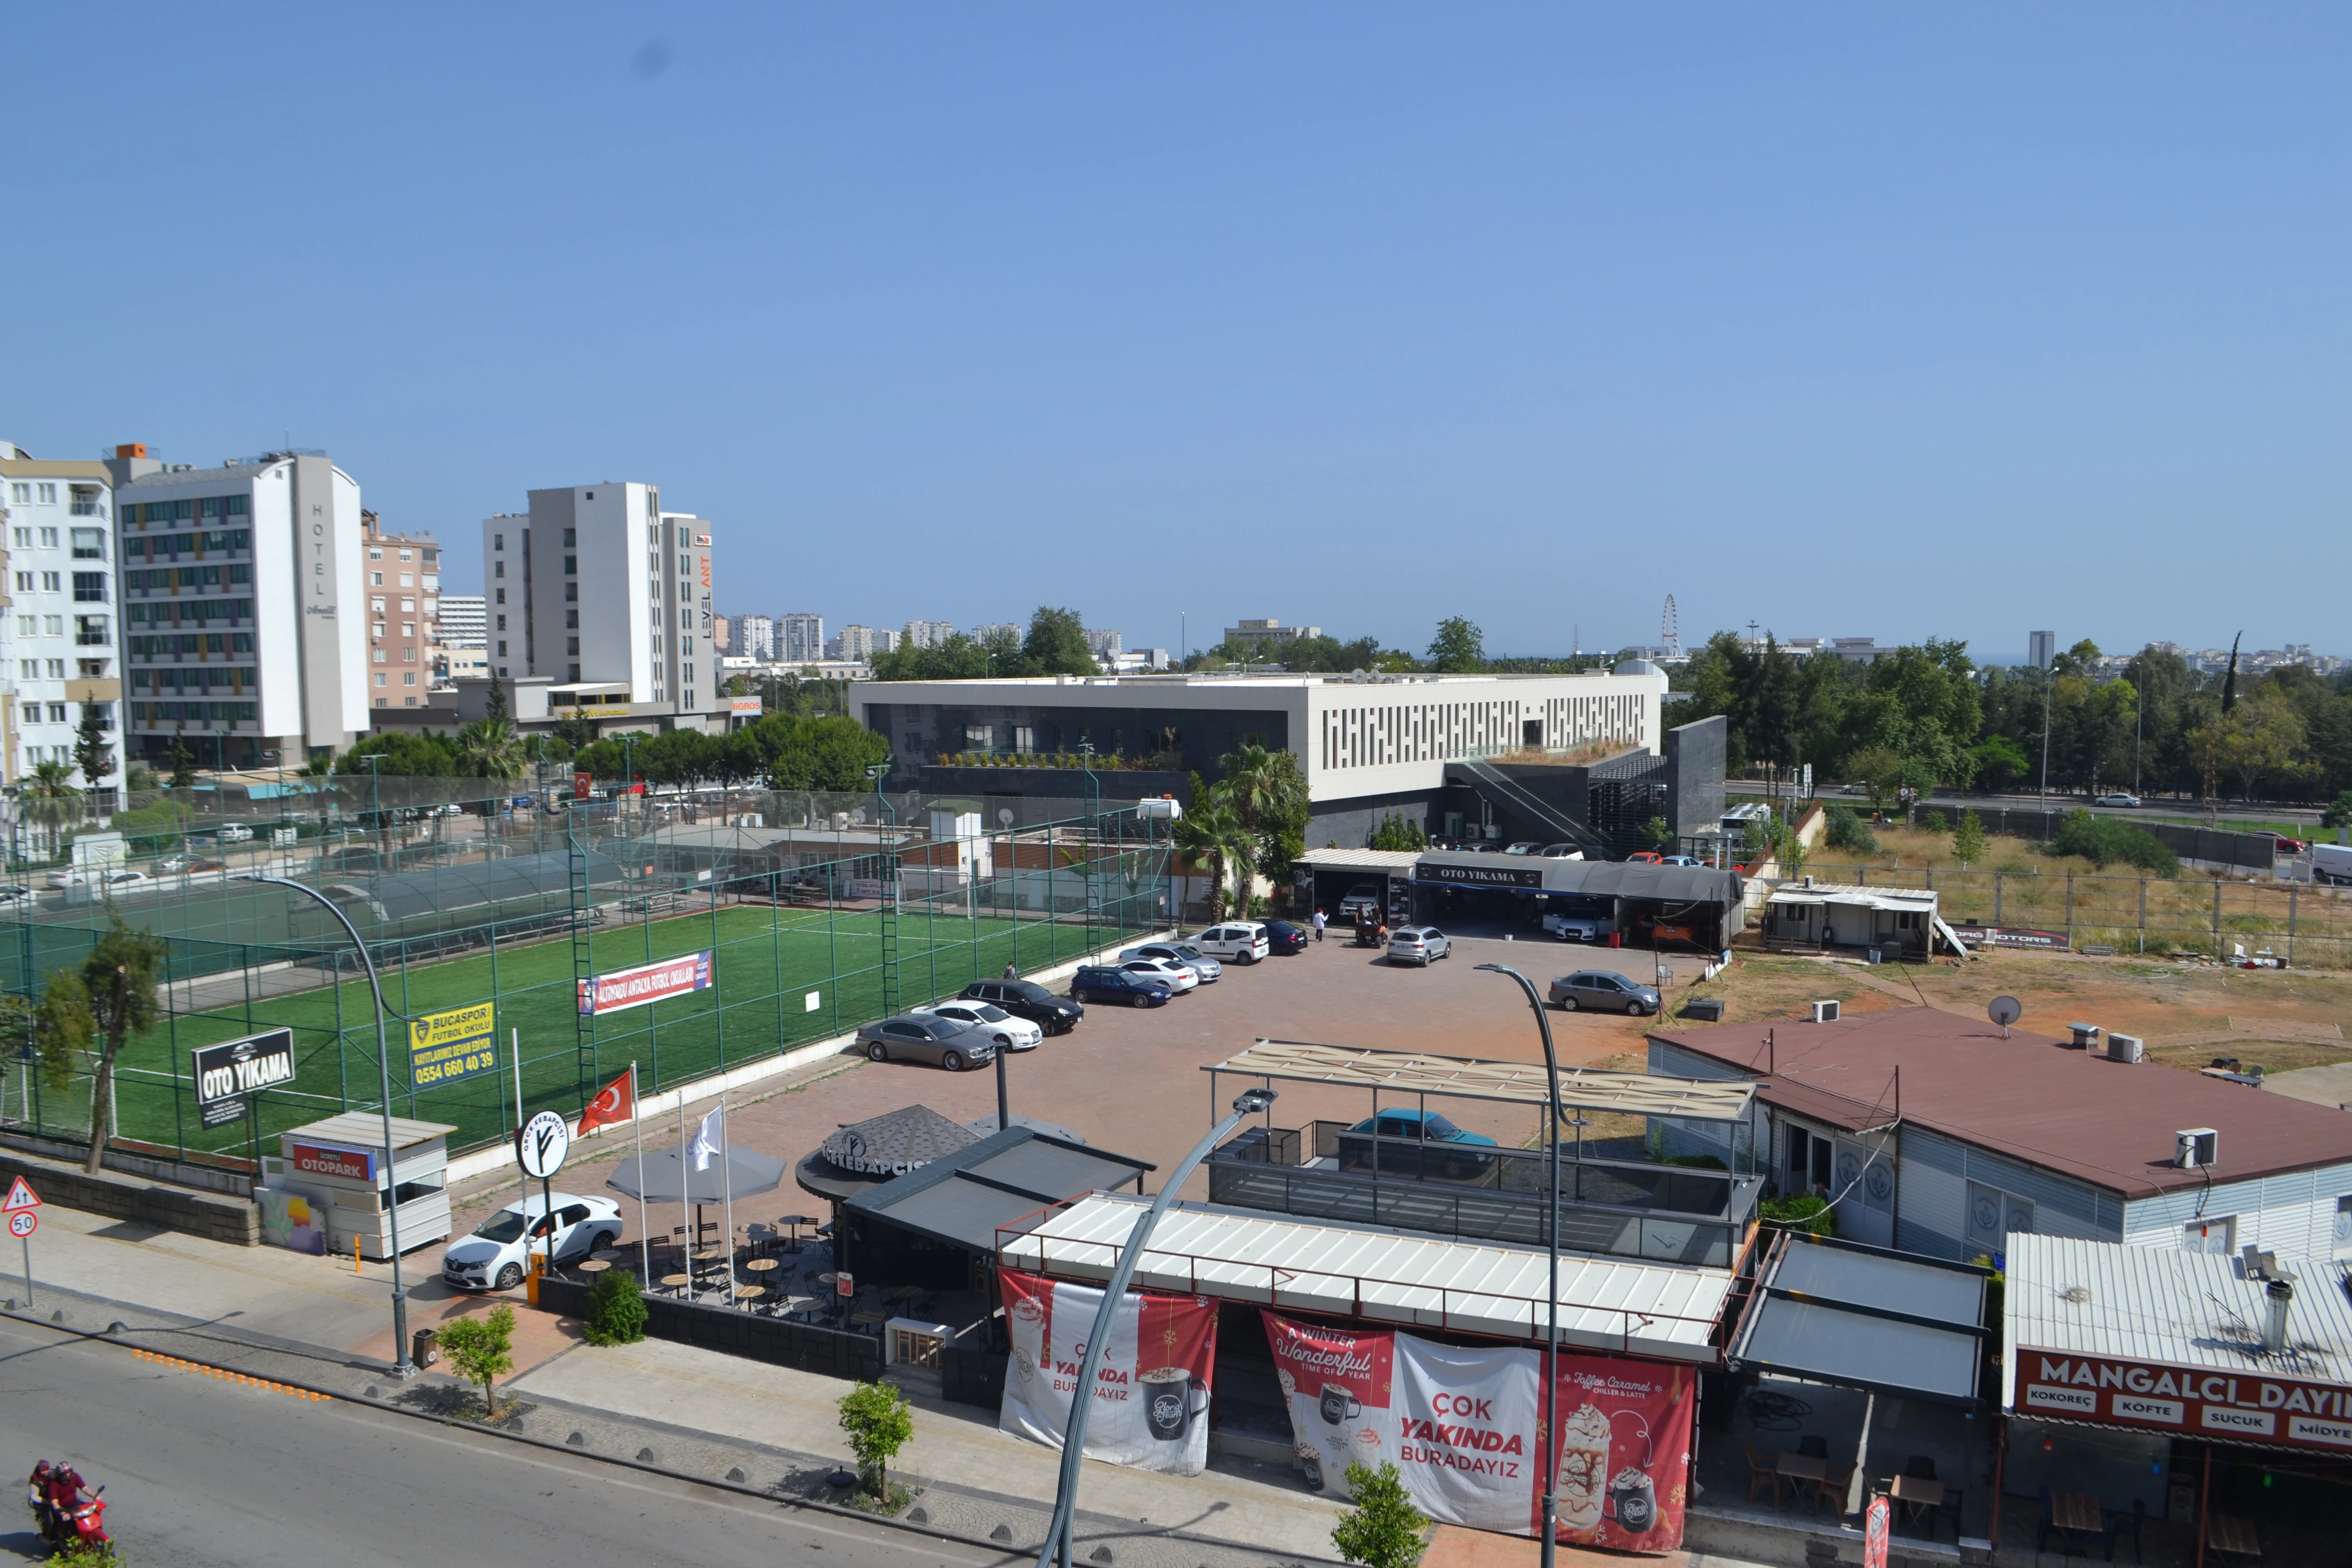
(2185, 1399)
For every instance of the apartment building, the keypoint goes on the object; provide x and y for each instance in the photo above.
(244, 606)
(800, 637)
(57, 603)
(756, 637)
(925, 633)
(403, 591)
(606, 560)
(1267, 634)
(1105, 645)
(861, 642)
(461, 621)
(723, 634)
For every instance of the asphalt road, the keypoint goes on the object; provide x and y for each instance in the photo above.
(200, 1473)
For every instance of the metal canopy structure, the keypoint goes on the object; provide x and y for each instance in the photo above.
(1470, 1077)
(966, 1197)
(1864, 1317)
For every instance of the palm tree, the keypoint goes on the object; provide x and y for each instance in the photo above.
(486, 749)
(1213, 828)
(51, 798)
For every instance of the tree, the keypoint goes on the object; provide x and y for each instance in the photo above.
(1213, 828)
(2000, 762)
(1969, 839)
(184, 763)
(110, 998)
(494, 702)
(616, 1311)
(2340, 813)
(1383, 1530)
(481, 1349)
(879, 1423)
(1268, 792)
(486, 749)
(93, 752)
(1458, 648)
(1397, 833)
(50, 797)
(1056, 645)
(1847, 833)
(1880, 769)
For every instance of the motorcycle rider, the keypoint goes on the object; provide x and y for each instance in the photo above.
(36, 1498)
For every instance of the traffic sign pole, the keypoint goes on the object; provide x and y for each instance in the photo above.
(20, 1207)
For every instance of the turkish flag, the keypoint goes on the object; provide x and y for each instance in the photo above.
(616, 1102)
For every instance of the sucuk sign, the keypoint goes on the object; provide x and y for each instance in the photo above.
(2188, 1400)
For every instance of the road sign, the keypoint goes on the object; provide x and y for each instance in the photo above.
(541, 1144)
(23, 1223)
(20, 1196)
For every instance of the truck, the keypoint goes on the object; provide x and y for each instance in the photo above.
(2332, 863)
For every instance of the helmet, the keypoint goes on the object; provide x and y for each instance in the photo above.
(68, 1475)
(41, 1471)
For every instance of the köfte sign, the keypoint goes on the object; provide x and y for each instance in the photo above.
(1479, 876)
(647, 982)
(325, 1160)
(2188, 1400)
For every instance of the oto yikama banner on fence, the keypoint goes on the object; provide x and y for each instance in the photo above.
(1151, 1391)
(1462, 1426)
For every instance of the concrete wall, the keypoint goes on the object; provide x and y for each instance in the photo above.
(1694, 762)
(216, 1216)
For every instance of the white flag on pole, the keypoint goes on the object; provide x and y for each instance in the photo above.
(708, 1140)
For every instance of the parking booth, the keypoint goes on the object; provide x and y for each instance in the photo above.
(337, 1167)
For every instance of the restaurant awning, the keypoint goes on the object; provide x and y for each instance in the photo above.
(965, 1197)
(1864, 1317)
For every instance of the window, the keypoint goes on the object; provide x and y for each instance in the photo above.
(58, 709)
(408, 677)
(407, 606)
(502, 653)
(376, 605)
(408, 656)
(497, 542)
(408, 628)
(571, 565)
(23, 539)
(1024, 738)
(380, 655)
(502, 599)
(88, 544)
(49, 494)
(571, 536)
(572, 644)
(408, 579)
(375, 555)
(978, 737)
(57, 670)
(572, 619)
(22, 494)
(502, 623)
(380, 678)
(375, 579)
(499, 569)
(2211, 1235)
(572, 593)
(56, 624)
(377, 630)
(408, 554)
(52, 582)
(24, 582)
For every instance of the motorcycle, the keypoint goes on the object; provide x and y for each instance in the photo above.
(64, 1523)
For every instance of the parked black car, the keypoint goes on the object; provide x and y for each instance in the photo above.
(1028, 999)
(1101, 983)
(1283, 937)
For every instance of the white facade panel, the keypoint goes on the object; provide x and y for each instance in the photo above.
(277, 603)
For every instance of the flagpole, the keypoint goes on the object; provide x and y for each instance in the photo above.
(727, 1177)
(514, 1053)
(645, 1237)
(685, 1210)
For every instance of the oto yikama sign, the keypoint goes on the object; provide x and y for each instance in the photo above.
(229, 1071)
(1479, 876)
(1151, 1389)
(323, 1160)
(444, 1046)
(627, 988)
(2188, 1400)
(1463, 1428)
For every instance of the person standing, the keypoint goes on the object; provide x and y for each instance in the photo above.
(1318, 924)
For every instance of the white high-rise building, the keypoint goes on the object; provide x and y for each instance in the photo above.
(245, 610)
(987, 630)
(758, 637)
(860, 642)
(926, 634)
(800, 637)
(462, 621)
(2041, 649)
(1104, 644)
(57, 603)
(598, 586)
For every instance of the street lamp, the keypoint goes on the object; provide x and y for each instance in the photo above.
(1552, 1296)
(401, 1366)
(1249, 1102)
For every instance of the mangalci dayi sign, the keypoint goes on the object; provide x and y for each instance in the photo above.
(2246, 1404)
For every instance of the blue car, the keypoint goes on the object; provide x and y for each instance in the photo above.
(1283, 937)
(1436, 1148)
(1102, 983)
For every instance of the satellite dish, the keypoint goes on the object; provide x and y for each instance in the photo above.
(2004, 1011)
(1005, 815)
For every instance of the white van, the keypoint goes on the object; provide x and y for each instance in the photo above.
(1240, 942)
(2332, 863)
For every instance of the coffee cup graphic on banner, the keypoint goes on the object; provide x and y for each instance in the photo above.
(1583, 1468)
(1633, 1500)
(1338, 1404)
(1172, 1397)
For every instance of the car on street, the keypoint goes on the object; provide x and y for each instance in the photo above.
(1028, 999)
(1523, 847)
(1603, 990)
(1179, 978)
(182, 865)
(114, 879)
(1435, 1147)
(235, 833)
(1204, 969)
(1362, 896)
(15, 895)
(1680, 860)
(1573, 928)
(1243, 942)
(2115, 797)
(1561, 852)
(1643, 858)
(1419, 944)
(492, 1258)
(1007, 1032)
(1281, 936)
(921, 1037)
(1108, 982)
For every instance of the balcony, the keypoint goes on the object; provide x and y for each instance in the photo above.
(1612, 1209)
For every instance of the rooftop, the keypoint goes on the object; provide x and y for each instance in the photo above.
(2034, 1099)
(1468, 1078)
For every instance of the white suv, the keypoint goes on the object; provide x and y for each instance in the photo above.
(1243, 942)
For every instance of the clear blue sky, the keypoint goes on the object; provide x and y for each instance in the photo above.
(1851, 319)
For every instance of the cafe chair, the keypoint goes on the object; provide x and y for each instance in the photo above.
(1762, 1476)
(2117, 1525)
(1832, 1490)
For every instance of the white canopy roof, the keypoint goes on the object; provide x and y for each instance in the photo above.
(1606, 1304)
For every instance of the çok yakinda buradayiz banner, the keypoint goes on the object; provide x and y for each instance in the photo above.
(1463, 1426)
(1151, 1391)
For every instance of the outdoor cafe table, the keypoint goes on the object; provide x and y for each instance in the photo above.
(760, 1265)
(678, 1281)
(749, 1292)
(2236, 1536)
(2078, 1513)
(1801, 1468)
(1917, 1494)
(595, 1265)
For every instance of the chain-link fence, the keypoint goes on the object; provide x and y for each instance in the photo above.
(819, 912)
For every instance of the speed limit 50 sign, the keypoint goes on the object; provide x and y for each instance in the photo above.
(23, 1223)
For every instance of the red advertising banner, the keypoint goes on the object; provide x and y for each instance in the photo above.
(2190, 1401)
(1624, 1451)
(625, 988)
(1336, 1386)
(1151, 1388)
(320, 1160)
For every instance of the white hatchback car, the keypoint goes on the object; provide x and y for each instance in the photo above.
(1243, 941)
(1179, 978)
(492, 1258)
(1183, 952)
(1009, 1032)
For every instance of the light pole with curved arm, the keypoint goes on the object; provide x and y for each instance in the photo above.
(401, 1365)
(1551, 1295)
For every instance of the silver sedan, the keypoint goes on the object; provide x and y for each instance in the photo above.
(921, 1037)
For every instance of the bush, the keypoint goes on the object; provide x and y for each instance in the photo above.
(480, 1348)
(1934, 823)
(616, 1312)
(1808, 1213)
(2104, 841)
(1846, 832)
(879, 1423)
(1968, 838)
(1383, 1530)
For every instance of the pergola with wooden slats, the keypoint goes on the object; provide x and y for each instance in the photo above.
(1470, 1077)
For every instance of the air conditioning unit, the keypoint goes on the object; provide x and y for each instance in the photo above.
(1825, 1012)
(2195, 1148)
(2125, 1048)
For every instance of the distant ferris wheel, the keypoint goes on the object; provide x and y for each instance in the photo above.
(1670, 631)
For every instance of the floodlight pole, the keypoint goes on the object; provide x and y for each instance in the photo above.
(1249, 1102)
(401, 1366)
(1552, 1296)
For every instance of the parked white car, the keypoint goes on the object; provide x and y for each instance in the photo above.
(492, 1258)
(115, 879)
(1183, 952)
(2117, 797)
(1243, 941)
(1179, 978)
(1573, 928)
(1009, 1032)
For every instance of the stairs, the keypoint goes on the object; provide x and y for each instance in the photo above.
(1528, 807)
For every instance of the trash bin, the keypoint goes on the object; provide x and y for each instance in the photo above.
(425, 1348)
